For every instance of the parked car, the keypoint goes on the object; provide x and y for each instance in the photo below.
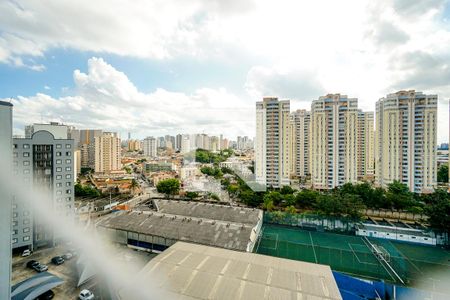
(32, 263)
(26, 252)
(86, 295)
(58, 260)
(67, 256)
(40, 268)
(46, 296)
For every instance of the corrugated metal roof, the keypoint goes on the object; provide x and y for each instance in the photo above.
(190, 271)
(212, 232)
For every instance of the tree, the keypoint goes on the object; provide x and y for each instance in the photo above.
(268, 204)
(399, 196)
(306, 198)
(289, 200)
(274, 196)
(329, 205)
(86, 191)
(438, 212)
(442, 175)
(169, 187)
(286, 189)
(290, 209)
(192, 195)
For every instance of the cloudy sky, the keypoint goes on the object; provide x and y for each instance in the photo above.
(163, 67)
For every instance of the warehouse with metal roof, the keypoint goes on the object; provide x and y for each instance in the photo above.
(190, 271)
(207, 224)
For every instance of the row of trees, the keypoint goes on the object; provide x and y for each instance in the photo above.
(86, 191)
(206, 156)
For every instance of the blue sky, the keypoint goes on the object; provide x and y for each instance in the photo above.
(165, 67)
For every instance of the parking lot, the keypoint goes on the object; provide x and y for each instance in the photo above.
(67, 271)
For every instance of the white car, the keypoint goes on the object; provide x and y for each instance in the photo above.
(86, 295)
(26, 253)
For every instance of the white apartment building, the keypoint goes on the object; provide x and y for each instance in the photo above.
(45, 164)
(333, 155)
(300, 143)
(272, 142)
(107, 153)
(149, 147)
(366, 146)
(406, 140)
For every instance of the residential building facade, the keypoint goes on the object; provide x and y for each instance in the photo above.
(333, 155)
(406, 140)
(44, 164)
(149, 147)
(366, 146)
(300, 143)
(107, 153)
(272, 142)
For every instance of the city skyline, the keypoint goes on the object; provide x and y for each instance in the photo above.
(211, 63)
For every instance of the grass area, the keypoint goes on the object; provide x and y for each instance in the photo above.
(414, 264)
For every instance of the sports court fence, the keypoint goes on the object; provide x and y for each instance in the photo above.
(311, 221)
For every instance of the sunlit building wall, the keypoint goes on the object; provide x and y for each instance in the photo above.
(334, 123)
(272, 162)
(406, 140)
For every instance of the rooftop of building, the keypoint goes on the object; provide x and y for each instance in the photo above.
(183, 228)
(189, 271)
(5, 103)
(202, 210)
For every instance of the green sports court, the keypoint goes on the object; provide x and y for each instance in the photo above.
(378, 259)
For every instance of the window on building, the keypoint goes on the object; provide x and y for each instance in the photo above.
(26, 221)
(58, 146)
(15, 154)
(26, 229)
(68, 161)
(14, 241)
(68, 146)
(68, 153)
(58, 153)
(16, 163)
(26, 162)
(59, 184)
(58, 192)
(15, 231)
(59, 161)
(68, 199)
(68, 176)
(26, 154)
(68, 169)
(26, 171)
(26, 238)
(68, 183)
(26, 146)
(58, 169)
(58, 177)
(15, 223)
(26, 213)
(69, 191)
(15, 215)
(15, 146)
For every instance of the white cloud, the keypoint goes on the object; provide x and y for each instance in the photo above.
(105, 98)
(362, 48)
